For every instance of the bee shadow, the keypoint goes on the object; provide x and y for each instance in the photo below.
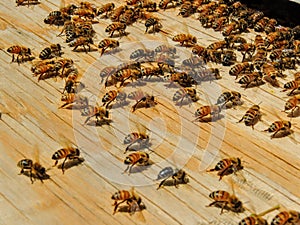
(100, 123)
(119, 35)
(126, 208)
(137, 147)
(170, 182)
(25, 59)
(75, 107)
(253, 84)
(29, 3)
(282, 134)
(112, 51)
(295, 113)
(86, 49)
(140, 168)
(71, 163)
(210, 119)
(119, 105)
(35, 177)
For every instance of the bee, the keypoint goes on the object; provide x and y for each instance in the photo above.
(50, 52)
(193, 62)
(199, 50)
(151, 71)
(224, 200)
(138, 54)
(36, 170)
(227, 166)
(271, 38)
(251, 79)
(228, 58)
(170, 50)
(68, 153)
(116, 26)
(131, 198)
(186, 40)
(182, 78)
(107, 8)
(186, 9)
(125, 74)
(85, 13)
(259, 58)
(286, 217)
(294, 85)
(29, 2)
(208, 74)
(251, 116)
(203, 111)
(255, 17)
(140, 158)
(112, 95)
(163, 4)
(71, 85)
(270, 26)
(238, 68)
(233, 39)
(181, 94)
(213, 56)
(218, 45)
(72, 98)
(259, 42)
(219, 23)
(45, 71)
(246, 49)
(275, 54)
(292, 103)
(233, 97)
(178, 177)
(117, 12)
(101, 113)
(147, 101)
(229, 29)
(154, 22)
(256, 219)
(278, 126)
(261, 24)
(150, 6)
(139, 137)
(21, 51)
(81, 41)
(270, 74)
(108, 43)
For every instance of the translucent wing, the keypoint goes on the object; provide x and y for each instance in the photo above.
(36, 153)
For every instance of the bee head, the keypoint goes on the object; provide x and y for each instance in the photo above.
(128, 160)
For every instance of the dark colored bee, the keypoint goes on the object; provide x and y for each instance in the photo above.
(154, 22)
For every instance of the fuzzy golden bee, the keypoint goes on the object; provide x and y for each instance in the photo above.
(292, 104)
(286, 217)
(141, 138)
(82, 41)
(251, 116)
(251, 79)
(185, 93)
(140, 158)
(178, 177)
(67, 153)
(116, 26)
(101, 113)
(107, 8)
(54, 50)
(239, 68)
(21, 51)
(224, 200)
(36, 170)
(74, 100)
(279, 126)
(112, 95)
(227, 166)
(133, 201)
(291, 85)
(107, 43)
(204, 111)
(186, 40)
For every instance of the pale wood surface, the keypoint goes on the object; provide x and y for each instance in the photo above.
(83, 194)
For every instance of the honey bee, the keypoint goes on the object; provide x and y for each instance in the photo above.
(57, 18)
(125, 74)
(228, 58)
(186, 40)
(139, 137)
(199, 50)
(286, 217)
(133, 200)
(256, 219)
(224, 200)
(36, 170)
(227, 166)
(148, 72)
(182, 78)
(81, 41)
(193, 62)
(259, 58)
(112, 95)
(259, 42)
(232, 97)
(21, 51)
(71, 83)
(140, 158)
(292, 104)
(67, 153)
(181, 94)
(271, 74)
(261, 24)
(208, 75)
(88, 14)
(154, 22)
(280, 126)
(170, 50)
(147, 101)
(270, 26)
(251, 116)
(219, 23)
(101, 113)
(238, 68)
(255, 17)
(218, 45)
(246, 49)
(178, 177)
(108, 43)
(106, 72)
(28, 2)
(271, 38)
(117, 12)
(116, 26)
(229, 29)
(74, 99)
(107, 8)
(203, 111)
(146, 54)
(294, 85)
(50, 52)
(163, 4)
(150, 6)
(187, 9)
(251, 79)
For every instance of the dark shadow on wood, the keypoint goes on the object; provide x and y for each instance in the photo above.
(71, 163)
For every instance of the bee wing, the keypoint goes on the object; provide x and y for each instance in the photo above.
(62, 4)
(36, 153)
(64, 141)
(141, 128)
(136, 211)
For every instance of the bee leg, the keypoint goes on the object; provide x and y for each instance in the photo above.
(31, 176)
(117, 205)
(87, 119)
(289, 94)
(63, 164)
(13, 58)
(240, 120)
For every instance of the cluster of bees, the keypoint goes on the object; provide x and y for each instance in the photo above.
(264, 60)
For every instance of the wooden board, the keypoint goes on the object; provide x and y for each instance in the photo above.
(83, 193)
